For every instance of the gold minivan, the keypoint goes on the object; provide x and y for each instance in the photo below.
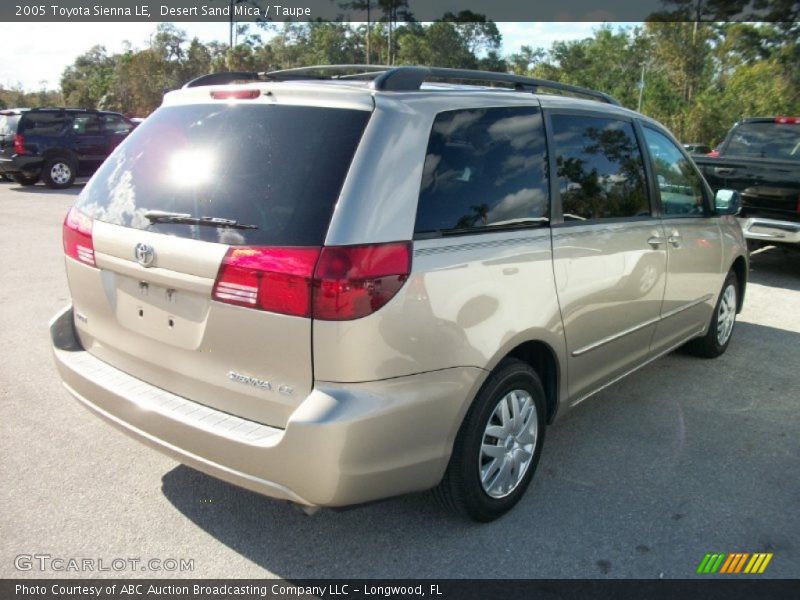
(338, 284)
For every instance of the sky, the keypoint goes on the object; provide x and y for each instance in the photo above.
(34, 53)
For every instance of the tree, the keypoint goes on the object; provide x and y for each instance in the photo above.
(479, 34)
(440, 44)
(88, 79)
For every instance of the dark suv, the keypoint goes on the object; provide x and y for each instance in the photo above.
(58, 144)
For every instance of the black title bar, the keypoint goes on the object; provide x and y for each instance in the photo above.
(403, 10)
(371, 589)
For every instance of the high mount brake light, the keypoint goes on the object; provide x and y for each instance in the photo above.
(235, 94)
(792, 120)
(77, 237)
(334, 283)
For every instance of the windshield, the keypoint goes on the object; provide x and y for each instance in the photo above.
(278, 168)
(8, 124)
(779, 141)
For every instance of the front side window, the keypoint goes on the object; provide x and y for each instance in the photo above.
(87, 125)
(115, 124)
(679, 183)
(484, 168)
(600, 168)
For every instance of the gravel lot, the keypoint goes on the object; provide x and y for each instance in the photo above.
(685, 457)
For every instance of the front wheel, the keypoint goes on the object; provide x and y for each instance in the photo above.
(58, 173)
(716, 340)
(498, 446)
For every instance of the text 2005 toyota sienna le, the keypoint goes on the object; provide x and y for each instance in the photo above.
(332, 290)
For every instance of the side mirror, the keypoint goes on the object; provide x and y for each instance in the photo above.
(727, 202)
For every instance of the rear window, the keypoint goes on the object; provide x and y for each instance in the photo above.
(44, 123)
(277, 168)
(8, 124)
(766, 140)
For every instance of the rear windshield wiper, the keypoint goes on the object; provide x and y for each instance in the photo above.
(160, 216)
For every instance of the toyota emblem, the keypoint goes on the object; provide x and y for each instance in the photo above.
(144, 253)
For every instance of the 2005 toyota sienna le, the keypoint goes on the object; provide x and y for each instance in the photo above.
(334, 285)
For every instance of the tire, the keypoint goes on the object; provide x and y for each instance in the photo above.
(720, 330)
(58, 173)
(5, 177)
(461, 490)
(25, 180)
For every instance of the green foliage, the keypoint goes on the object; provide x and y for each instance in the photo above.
(15, 97)
(699, 77)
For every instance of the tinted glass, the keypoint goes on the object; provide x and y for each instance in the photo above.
(766, 140)
(678, 180)
(280, 168)
(8, 124)
(484, 168)
(44, 123)
(87, 125)
(600, 168)
(115, 124)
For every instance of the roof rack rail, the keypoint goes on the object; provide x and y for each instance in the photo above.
(401, 79)
(404, 78)
(65, 108)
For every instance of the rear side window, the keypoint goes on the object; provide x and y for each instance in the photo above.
(276, 168)
(44, 123)
(484, 168)
(600, 168)
(779, 141)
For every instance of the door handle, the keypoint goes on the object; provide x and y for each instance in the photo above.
(724, 170)
(675, 239)
(656, 242)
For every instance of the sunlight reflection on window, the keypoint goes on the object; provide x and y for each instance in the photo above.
(190, 167)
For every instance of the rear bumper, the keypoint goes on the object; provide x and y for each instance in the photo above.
(27, 165)
(771, 230)
(344, 444)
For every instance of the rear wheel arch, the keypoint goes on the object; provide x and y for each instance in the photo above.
(64, 153)
(543, 359)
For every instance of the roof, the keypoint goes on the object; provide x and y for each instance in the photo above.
(383, 78)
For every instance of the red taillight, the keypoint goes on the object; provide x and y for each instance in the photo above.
(19, 144)
(77, 235)
(273, 279)
(351, 282)
(334, 283)
(713, 153)
(235, 94)
(792, 120)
